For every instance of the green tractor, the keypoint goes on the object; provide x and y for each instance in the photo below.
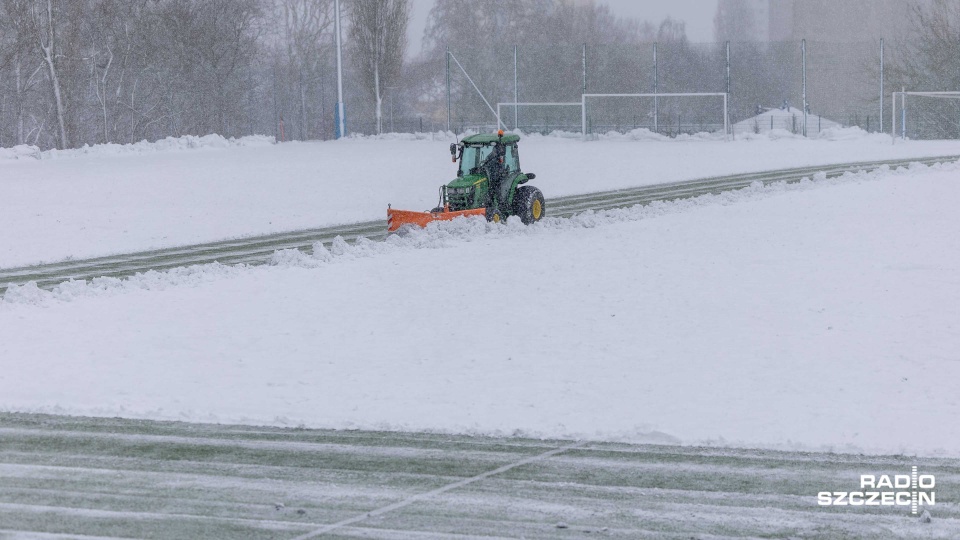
(489, 183)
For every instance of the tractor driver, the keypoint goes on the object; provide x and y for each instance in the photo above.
(495, 170)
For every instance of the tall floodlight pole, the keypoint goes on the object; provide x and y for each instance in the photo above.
(584, 68)
(728, 67)
(903, 111)
(881, 85)
(656, 90)
(448, 88)
(341, 121)
(584, 91)
(803, 61)
(516, 92)
(725, 111)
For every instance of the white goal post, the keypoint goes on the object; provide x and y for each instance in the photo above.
(726, 117)
(903, 108)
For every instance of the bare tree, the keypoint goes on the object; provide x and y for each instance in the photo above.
(24, 70)
(378, 31)
(113, 42)
(304, 28)
(45, 27)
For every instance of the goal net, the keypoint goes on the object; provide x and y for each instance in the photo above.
(926, 115)
(669, 114)
(541, 118)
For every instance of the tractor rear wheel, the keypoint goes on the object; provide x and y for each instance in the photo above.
(529, 204)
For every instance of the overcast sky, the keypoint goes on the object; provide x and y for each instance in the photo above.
(698, 14)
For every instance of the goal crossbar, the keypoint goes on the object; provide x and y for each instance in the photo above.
(903, 96)
(726, 117)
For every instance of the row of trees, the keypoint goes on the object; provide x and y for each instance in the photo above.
(82, 71)
(76, 72)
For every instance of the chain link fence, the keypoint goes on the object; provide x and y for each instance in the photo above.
(770, 86)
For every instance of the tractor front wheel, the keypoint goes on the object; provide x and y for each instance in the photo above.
(494, 215)
(529, 204)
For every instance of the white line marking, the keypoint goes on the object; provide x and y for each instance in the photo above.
(913, 473)
(30, 535)
(415, 498)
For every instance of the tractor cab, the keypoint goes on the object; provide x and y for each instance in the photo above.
(474, 150)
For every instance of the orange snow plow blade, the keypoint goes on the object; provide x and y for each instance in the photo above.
(399, 218)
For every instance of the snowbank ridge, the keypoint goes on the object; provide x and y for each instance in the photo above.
(437, 235)
(185, 142)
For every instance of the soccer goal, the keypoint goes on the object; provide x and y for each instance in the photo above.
(543, 117)
(927, 115)
(665, 113)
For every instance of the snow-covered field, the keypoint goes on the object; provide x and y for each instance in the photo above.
(820, 315)
(114, 199)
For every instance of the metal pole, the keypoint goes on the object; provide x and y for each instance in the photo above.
(656, 90)
(448, 88)
(803, 55)
(893, 116)
(728, 67)
(726, 120)
(583, 115)
(903, 111)
(341, 121)
(584, 68)
(516, 92)
(881, 85)
(583, 98)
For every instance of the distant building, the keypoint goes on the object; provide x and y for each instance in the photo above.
(742, 20)
(841, 21)
(837, 21)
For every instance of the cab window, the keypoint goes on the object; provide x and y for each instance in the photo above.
(473, 157)
(511, 158)
(485, 152)
(468, 160)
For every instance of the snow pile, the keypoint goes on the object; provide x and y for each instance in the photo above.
(789, 119)
(835, 133)
(21, 151)
(852, 134)
(554, 135)
(769, 135)
(418, 136)
(186, 142)
(634, 135)
(643, 134)
(838, 133)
